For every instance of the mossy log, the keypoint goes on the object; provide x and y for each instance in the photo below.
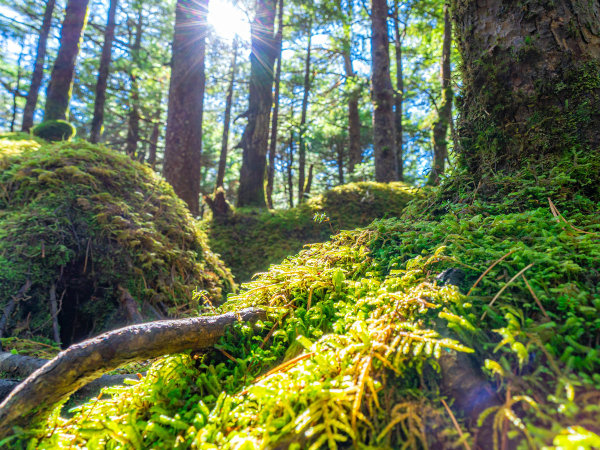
(35, 397)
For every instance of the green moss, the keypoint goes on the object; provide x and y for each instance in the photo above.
(88, 220)
(54, 130)
(250, 240)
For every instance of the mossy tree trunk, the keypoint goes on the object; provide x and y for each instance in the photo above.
(102, 82)
(440, 127)
(531, 82)
(38, 68)
(186, 102)
(384, 133)
(255, 139)
(58, 95)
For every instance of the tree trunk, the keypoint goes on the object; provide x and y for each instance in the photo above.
(340, 162)
(384, 133)
(109, 35)
(301, 137)
(133, 129)
(154, 136)
(355, 151)
(227, 118)
(274, 120)
(17, 90)
(440, 127)
(58, 95)
(255, 139)
(38, 68)
(399, 95)
(186, 98)
(290, 163)
(531, 83)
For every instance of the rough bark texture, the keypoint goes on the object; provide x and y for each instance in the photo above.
(275, 118)
(35, 397)
(304, 112)
(38, 68)
(440, 127)
(227, 118)
(133, 129)
(398, 97)
(531, 81)
(384, 134)
(105, 57)
(186, 99)
(58, 95)
(255, 139)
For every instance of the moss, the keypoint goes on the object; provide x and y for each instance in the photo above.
(88, 220)
(54, 130)
(250, 240)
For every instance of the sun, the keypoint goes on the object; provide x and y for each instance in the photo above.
(228, 20)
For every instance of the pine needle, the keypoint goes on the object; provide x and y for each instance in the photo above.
(488, 270)
(460, 433)
(504, 287)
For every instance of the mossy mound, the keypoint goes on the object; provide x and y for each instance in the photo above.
(79, 222)
(250, 240)
(54, 130)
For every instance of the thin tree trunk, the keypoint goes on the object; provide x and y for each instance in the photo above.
(58, 95)
(340, 162)
(309, 180)
(274, 120)
(109, 35)
(227, 118)
(38, 68)
(440, 127)
(154, 136)
(133, 129)
(290, 163)
(384, 133)
(255, 139)
(399, 96)
(17, 90)
(186, 99)
(301, 138)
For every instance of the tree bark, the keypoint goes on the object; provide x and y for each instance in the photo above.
(254, 141)
(340, 162)
(38, 68)
(384, 135)
(531, 82)
(17, 90)
(35, 397)
(186, 98)
(58, 95)
(109, 35)
(290, 163)
(274, 120)
(440, 127)
(227, 118)
(133, 129)
(398, 97)
(304, 112)
(153, 147)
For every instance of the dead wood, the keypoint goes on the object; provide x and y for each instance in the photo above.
(75, 367)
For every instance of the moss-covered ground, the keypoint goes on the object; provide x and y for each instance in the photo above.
(80, 223)
(249, 240)
(359, 326)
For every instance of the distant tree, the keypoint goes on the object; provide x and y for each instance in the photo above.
(133, 129)
(384, 135)
(303, 115)
(254, 142)
(399, 94)
(38, 69)
(100, 99)
(58, 95)
(186, 99)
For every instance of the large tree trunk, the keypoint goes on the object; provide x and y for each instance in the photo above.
(109, 35)
(531, 81)
(399, 95)
(133, 128)
(58, 95)
(227, 118)
(186, 99)
(384, 133)
(274, 120)
(440, 127)
(255, 139)
(301, 137)
(38, 69)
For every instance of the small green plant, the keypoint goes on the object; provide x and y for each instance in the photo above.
(54, 130)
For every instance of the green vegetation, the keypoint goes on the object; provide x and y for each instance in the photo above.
(83, 221)
(359, 328)
(249, 240)
(54, 130)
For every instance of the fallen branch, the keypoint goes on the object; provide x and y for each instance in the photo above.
(75, 367)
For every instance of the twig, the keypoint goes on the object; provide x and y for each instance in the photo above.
(488, 270)
(460, 433)
(504, 287)
(554, 210)
(537, 300)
